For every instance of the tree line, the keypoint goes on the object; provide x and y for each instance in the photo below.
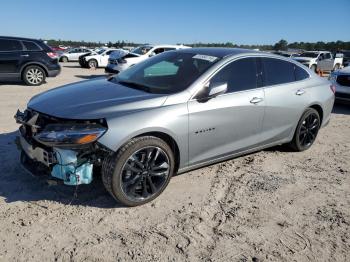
(281, 45)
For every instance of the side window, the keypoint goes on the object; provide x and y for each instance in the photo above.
(300, 74)
(109, 52)
(327, 56)
(10, 45)
(158, 51)
(31, 46)
(239, 75)
(169, 49)
(277, 71)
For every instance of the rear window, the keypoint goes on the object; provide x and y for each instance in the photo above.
(277, 71)
(10, 45)
(31, 46)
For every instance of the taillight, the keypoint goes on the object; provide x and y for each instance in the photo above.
(332, 87)
(52, 55)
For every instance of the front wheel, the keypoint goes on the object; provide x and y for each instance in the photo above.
(306, 131)
(140, 171)
(92, 63)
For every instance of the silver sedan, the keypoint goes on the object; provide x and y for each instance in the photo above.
(172, 113)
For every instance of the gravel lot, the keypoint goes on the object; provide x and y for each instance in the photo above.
(268, 206)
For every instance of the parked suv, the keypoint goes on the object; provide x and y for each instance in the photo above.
(27, 59)
(73, 54)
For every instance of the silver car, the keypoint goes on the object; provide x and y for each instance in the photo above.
(172, 113)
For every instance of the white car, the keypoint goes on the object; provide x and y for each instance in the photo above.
(73, 54)
(117, 63)
(100, 59)
(312, 59)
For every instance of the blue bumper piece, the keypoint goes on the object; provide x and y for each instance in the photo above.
(68, 170)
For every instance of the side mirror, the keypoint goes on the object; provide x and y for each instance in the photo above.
(152, 54)
(217, 89)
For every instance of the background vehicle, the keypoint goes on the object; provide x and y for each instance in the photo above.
(330, 62)
(73, 54)
(118, 64)
(172, 113)
(346, 57)
(311, 59)
(100, 59)
(27, 59)
(341, 79)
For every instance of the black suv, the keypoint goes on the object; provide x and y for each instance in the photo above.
(27, 59)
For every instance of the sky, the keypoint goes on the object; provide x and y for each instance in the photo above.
(178, 21)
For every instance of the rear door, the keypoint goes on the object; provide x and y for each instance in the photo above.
(10, 57)
(230, 122)
(286, 95)
(32, 51)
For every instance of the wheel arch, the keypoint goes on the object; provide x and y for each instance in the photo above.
(34, 64)
(170, 141)
(319, 110)
(94, 60)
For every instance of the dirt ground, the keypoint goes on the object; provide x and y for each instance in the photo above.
(273, 205)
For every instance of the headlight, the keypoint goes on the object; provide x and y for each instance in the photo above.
(332, 77)
(70, 134)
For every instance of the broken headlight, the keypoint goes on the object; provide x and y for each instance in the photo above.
(70, 134)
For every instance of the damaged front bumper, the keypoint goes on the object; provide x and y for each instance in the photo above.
(71, 163)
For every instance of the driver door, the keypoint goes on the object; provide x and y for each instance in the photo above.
(230, 122)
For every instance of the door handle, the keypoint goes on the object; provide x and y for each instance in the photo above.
(300, 92)
(256, 100)
(26, 55)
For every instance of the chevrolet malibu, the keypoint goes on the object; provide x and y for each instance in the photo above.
(172, 113)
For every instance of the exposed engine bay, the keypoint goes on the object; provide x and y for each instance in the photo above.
(64, 149)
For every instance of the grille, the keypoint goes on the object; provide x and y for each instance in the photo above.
(343, 80)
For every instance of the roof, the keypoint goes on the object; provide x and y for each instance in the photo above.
(20, 38)
(218, 51)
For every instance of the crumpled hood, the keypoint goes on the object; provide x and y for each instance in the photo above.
(93, 99)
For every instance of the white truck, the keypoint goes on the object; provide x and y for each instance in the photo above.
(320, 60)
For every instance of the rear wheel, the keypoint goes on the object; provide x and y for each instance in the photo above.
(92, 63)
(64, 59)
(34, 75)
(140, 171)
(306, 131)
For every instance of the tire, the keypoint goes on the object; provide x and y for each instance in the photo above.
(64, 59)
(34, 75)
(122, 174)
(306, 131)
(336, 67)
(314, 68)
(92, 63)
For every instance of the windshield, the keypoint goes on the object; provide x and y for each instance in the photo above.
(100, 51)
(309, 54)
(167, 73)
(141, 50)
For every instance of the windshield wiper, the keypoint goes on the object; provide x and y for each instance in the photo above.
(135, 85)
